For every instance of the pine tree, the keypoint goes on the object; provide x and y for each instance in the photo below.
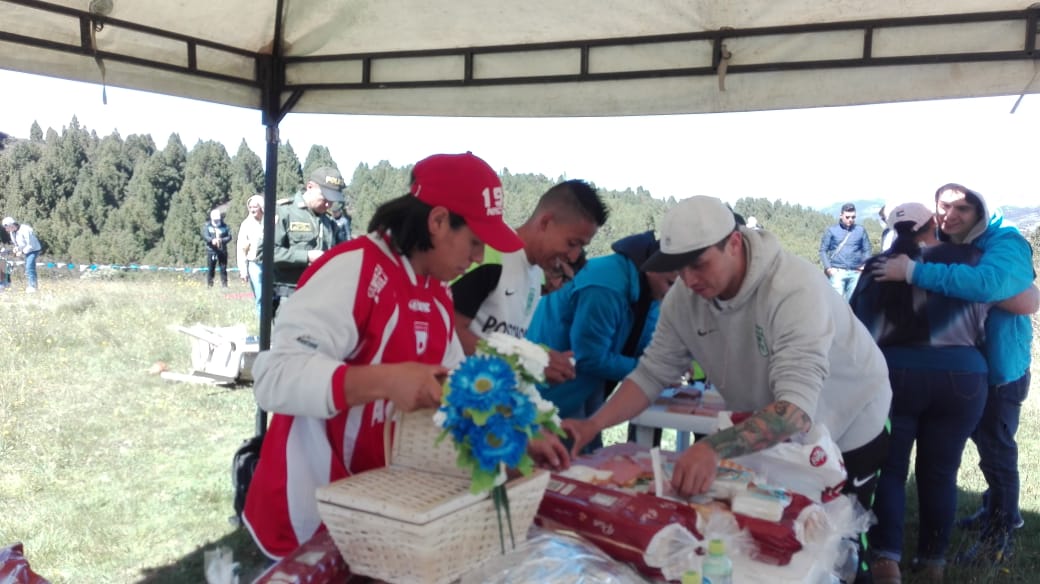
(317, 157)
(207, 181)
(247, 179)
(290, 175)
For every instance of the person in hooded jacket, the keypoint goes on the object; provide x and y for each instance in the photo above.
(1004, 270)
(606, 316)
(774, 339)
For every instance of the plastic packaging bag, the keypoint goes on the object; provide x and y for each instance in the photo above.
(219, 566)
(809, 463)
(553, 558)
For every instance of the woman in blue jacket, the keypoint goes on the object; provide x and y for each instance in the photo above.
(606, 315)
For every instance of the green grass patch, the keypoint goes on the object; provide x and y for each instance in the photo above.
(111, 474)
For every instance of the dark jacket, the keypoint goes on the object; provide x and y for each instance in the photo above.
(297, 230)
(211, 232)
(852, 255)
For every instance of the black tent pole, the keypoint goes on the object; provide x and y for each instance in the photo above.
(271, 74)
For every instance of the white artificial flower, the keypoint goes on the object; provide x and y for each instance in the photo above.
(532, 357)
(501, 342)
(541, 404)
(440, 418)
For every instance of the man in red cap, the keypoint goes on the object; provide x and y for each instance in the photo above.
(369, 329)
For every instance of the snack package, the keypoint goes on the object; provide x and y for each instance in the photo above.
(809, 463)
(618, 522)
(767, 514)
(317, 561)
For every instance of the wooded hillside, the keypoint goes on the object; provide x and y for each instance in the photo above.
(95, 199)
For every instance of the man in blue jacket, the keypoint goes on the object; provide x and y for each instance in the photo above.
(844, 248)
(1005, 269)
(606, 316)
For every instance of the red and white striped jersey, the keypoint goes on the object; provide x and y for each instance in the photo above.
(359, 304)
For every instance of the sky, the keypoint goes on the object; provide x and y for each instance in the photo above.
(813, 157)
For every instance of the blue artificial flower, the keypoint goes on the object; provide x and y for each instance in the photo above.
(458, 423)
(498, 441)
(522, 410)
(481, 383)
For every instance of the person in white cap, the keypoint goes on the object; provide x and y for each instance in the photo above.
(27, 245)
(217, 236)
(774, 338)
(250, 233)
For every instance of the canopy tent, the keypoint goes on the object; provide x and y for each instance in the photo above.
(533, 58)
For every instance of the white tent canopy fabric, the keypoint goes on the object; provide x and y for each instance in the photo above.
(532, 58)
(528, 58)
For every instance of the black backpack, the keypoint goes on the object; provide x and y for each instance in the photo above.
(243, 464)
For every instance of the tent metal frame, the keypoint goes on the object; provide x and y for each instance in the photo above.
(278, 97)
(366, 62)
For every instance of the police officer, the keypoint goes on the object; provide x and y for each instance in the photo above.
(302, 229)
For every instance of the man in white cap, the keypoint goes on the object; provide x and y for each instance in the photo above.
(774, 338)
(27, 245)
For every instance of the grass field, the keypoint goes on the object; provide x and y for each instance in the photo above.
(110, 474)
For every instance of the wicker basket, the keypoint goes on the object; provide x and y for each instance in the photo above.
(415, 520)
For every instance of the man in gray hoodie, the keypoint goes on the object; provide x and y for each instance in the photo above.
(773, 337)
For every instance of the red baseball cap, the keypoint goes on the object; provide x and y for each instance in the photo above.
(465, 185)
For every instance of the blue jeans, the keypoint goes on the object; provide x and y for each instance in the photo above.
(844, 281)
(255, 270)
(998, 452)
(938, 409)
(30, 269)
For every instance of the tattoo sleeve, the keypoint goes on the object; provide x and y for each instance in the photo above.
(772, 425)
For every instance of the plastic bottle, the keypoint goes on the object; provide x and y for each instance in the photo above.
(691, 577)
(717, 567)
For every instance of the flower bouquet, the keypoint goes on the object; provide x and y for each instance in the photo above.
(491, 408)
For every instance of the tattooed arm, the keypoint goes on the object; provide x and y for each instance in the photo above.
(773, 424)
(695, 470)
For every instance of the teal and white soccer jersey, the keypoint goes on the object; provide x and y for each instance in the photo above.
(499, 295)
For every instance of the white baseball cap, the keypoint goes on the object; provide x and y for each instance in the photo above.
(689, 228)
(916, 212)
(8, 221)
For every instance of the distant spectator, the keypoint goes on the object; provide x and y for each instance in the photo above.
(27, 245)
(844, 248)
(250, 233)
(342, 219)
(217, 235)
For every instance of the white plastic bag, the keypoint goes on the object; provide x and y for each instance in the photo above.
(809, 463)
(219, 566)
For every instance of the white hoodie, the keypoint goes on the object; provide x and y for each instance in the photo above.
(785, 336)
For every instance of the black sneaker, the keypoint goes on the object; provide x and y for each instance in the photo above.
(980, 521)
(992, 549)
